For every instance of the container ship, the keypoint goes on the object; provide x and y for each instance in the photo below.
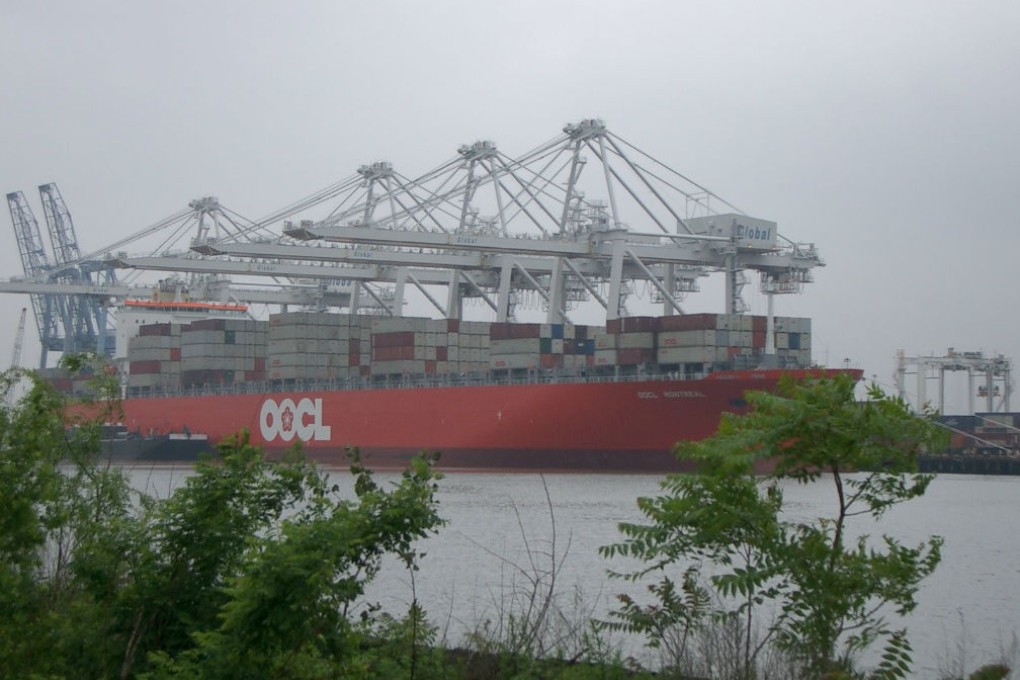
(584, 219)
(485, 396)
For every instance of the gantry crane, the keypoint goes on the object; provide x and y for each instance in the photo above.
(84, 318)
(995, 388)
(35, 263)
(584, 217)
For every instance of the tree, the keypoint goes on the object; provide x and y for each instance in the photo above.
(56, 503)
(249, 569)
(828, 597)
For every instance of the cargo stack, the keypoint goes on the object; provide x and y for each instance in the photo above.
(578, 348)
(154, 358)
(222, 352)
(628, 344)
(514, 346)
(314, 346)
(467, 351)
(563, 348)
(697, 342)
(401, 346)
(793, 340)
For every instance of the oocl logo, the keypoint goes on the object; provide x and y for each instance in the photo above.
(287, 420)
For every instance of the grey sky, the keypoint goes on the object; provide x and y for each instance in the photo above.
(885, 132)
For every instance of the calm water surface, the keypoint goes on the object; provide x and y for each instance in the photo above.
(967, 612)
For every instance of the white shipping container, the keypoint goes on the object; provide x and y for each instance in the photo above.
(688, 355)
(152, 342)
(154, 354)
(287, 333)
(515, 346)
(575, 363)
(398, 324)
(201, 337)
(605, 341)
(513, 361)
(691, 338)
(635, 341)
(605, 357)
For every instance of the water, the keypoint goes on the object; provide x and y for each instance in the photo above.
(500, 531)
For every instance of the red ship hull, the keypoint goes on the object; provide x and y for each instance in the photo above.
(611, 426)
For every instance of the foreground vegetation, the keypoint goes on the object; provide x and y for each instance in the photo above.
(258, 569)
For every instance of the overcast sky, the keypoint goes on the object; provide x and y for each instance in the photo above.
(884, 132)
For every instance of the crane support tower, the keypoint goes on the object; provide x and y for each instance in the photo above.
(993, 372)
(19, 339)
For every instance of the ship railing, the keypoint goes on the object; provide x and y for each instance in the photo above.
(400, 382)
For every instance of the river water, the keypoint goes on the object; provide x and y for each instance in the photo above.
(503, 528)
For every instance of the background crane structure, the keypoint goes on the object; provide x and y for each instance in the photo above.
(585, 223)
(19, 338)
(995, 373)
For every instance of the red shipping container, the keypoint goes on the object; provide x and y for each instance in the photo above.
(500, 331)
(260, 363)
(442, 353)
(395, 339)
(550, 360)
(759, 324)
(633, 324)
(758, 339)
(453, 325)
(208, 325)
(154, 329)
(144, 367)
(688, 322)
(430, 367)
(635, 357)
(175, 354)
(519, 331)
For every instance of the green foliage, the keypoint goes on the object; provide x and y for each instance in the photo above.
(728, 526)
(249, 569)
(991, 672)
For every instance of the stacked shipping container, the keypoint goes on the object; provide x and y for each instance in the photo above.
(310, 346)
(530, 346)
(223, 352)
(314, 346)
(154, 357)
